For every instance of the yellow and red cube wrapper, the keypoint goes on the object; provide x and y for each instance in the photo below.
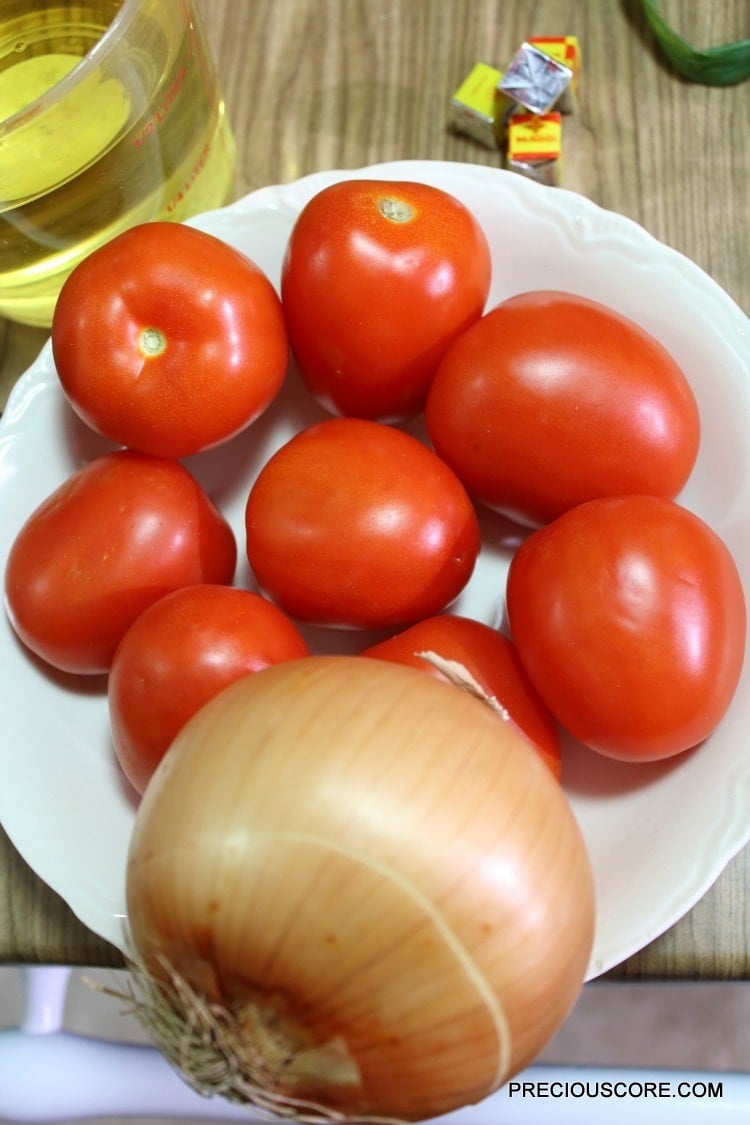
(566, 49)
(534, 146)
(479, 108)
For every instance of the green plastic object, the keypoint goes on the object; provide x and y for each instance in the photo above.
(725, 65)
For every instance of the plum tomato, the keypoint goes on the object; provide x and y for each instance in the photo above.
(118, 534)
(168, 340)
(379, 276)
(178, 654)
(492, 663)
(353, 522)
(550, 400)
(629, 617)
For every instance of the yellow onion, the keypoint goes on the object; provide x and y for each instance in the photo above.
(351, 891)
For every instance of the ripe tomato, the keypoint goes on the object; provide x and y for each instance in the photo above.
(491, 661)
(378, 278)
(551, 400)
(629, 617)
(178, 654)
(353, 522)
(118, 534)
(169, 341)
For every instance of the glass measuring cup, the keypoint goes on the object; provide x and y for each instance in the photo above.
(110, 115)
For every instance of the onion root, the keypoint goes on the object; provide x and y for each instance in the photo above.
(211, 1050)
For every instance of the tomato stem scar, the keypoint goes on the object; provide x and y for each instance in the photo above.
(395, 209)
(151, 341)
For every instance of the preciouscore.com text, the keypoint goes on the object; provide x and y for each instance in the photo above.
(607, 1088)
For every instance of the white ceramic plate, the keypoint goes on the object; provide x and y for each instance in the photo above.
(658, 835)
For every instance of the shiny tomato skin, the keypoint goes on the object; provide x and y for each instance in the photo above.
(379, 276)
(492, 662)
(169, 341)
(178, 654)
(629, 617)
(118, 534)
(551, 399)
(356, 523)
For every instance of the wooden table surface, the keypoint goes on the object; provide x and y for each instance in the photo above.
(321, 84)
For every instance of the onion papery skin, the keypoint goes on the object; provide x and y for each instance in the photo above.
(372, 862)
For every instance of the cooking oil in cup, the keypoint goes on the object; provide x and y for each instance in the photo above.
(110, 115)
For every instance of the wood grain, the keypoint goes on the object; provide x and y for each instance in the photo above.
(321, 84)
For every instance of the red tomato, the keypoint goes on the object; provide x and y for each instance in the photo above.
(123, 531)
(169, 341)
(493, 664)
(629, 617)
(178, 654)
(353, 522)
(551, 400)
(378, 278)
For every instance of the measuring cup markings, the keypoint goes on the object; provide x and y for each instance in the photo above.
(195, 173)
(163, 109)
